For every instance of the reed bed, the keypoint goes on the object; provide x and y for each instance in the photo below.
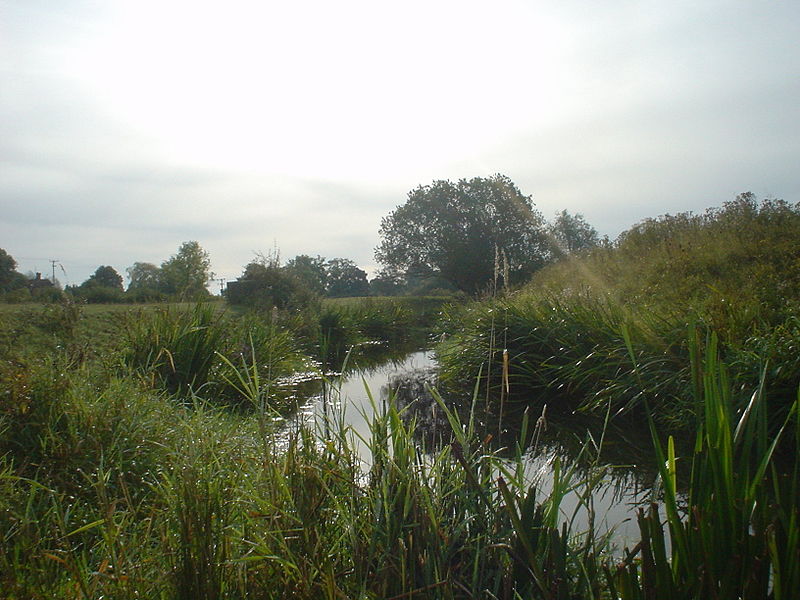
(111, 488)
(733, 530)
(621, 323)
(588, 354)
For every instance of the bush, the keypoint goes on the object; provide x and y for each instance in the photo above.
(17, 296)
(267, 286)
(98, 294)
(175, 350)
(48, 295)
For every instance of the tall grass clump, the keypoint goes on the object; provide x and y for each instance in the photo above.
(732, 512)
(197, 351)
(335, 336)
(77, 467)
(200, 487)
(586, 354)
(265, 347)
(174, 349)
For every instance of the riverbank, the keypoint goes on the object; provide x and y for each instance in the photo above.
(622, 329)
(120, 479)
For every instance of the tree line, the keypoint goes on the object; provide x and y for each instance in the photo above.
(183, 275)
(448, 237)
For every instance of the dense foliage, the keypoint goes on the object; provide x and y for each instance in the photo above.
(457, 230)
(143, 275)
(10, 279)
(344, 278)
(187, 273)
(571, 233)
(267, 286)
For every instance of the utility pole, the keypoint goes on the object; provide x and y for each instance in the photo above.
(53, 262)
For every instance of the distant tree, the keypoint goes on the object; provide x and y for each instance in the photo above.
(104, 286)
(572, 233)
(187, 273)
(10, 279)
(456, 230)
(310, 271)
(8, 266)
(264, 284)
(144, 275)
(387, 283)
(104, 276)
(345, 279)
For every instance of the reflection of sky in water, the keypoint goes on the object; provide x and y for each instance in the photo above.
(615, 498)
(350, 397)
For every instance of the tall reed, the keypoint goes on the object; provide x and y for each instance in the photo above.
(585, 354)
(733, 531)
(174, 349)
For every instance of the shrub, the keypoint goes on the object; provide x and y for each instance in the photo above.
(265, 286)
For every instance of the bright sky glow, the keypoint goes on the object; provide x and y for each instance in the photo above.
(127, 128)
(316, 87)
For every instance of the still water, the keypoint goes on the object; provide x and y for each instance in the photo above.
(622, 485)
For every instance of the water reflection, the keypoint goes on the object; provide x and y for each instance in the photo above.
(352, 397)
(617, 456)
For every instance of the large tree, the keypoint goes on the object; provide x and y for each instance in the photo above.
(144, 275)
(345, 279)
(9, 278)
(104, 276)
(310, 271)
(264, 284)
(459, 230)
(187, 273)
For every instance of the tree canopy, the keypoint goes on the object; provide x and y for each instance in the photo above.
(10, 279)
(265, 284)
(104, 276)
(187, 273)
(456, 231)
(310, 271)
(144, 275)
(344, 278)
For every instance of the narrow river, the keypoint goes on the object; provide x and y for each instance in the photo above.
(620, 491)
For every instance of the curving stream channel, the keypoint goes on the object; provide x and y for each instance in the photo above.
(622, 488)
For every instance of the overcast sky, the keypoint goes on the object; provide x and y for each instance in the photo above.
(129, 127)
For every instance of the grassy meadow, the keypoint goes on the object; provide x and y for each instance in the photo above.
(139, 456)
